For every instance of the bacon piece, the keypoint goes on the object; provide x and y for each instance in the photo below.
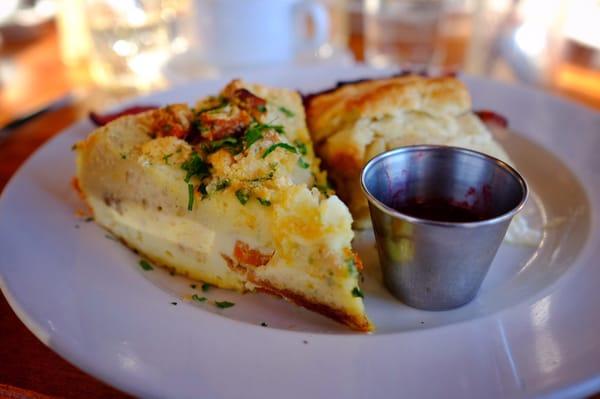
(246, 255)
(250, 103)
(491, 117)
(173, 120)
(103, 119)
(217, 125)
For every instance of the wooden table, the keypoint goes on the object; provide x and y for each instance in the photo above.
(26, 365)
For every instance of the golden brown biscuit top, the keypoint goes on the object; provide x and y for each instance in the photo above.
(328, 112)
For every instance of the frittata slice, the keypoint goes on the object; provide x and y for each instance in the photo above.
(228, 192)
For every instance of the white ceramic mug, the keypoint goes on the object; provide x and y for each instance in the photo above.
(231, 33)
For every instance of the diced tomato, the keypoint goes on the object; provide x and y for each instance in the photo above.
(249, 256)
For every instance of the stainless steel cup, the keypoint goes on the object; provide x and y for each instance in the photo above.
(432, 264)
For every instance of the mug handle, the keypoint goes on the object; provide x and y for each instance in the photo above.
(319, 17)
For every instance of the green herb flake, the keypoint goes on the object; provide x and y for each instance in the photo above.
(287, 112)
(123, 155)
(268, 176)
(357, 293)
(231, 143)
(195, 166)
(285, 146)
(264, 202)
(224, 304)
(198, 298)
(222, 184)
(302, 163)
(242, 195)
(351, 265)
(166, 158)
(202, 190)
(278, 128)
(190, 197)
(262, 108)
(144, 264)
(301, 147)
(253, 134)
(206, 287)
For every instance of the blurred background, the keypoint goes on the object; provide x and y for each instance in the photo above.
(56, 53)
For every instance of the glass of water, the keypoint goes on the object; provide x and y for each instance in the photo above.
(401, 32)
(131, 41)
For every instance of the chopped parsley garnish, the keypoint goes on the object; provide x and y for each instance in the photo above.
(242, 195)
(206, 287)
(224, 304)
(262, 108)
(222, 184)
(144, 264)
(228, 142)
(264, 202)
(123, 155)
(269, 176)
(255, 132)
(198, 298)
(166, 158)
(278, 128)
(202, 189)
(351, 265)
(356, 292)
(190, 197)
(285, 146)
(302, 163)
(287, 112)
(195, 166)
(301, 147)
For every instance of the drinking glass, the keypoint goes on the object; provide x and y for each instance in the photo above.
(131, 41)
(401, 32)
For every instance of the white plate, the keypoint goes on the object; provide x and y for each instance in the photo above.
(533, 330)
